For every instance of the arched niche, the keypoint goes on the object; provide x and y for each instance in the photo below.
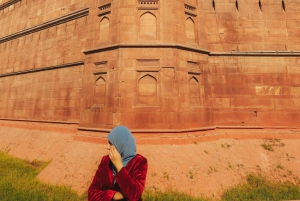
(100, 91)
(147, 90)
(190, 30)
(104, 30)
(148, 27)
(194, 91)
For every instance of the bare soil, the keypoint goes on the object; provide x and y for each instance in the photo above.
(204, 167)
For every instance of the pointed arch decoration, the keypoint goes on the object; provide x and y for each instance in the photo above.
(194, 91)
(147, 90)
(100, 91)
(104, 30)
(148, 26)
(190, 30)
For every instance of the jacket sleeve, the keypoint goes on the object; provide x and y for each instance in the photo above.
(97, 191)
(132, 185)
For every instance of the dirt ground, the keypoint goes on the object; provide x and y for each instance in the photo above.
(200, 166)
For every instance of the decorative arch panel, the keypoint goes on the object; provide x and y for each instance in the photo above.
(148, 26)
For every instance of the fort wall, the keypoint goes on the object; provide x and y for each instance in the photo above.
(255, 90)
(252, 25)
(150, 64)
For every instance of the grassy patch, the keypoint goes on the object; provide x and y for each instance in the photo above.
(258, 188)
(169, 196)
(270, 143)
(18, 182)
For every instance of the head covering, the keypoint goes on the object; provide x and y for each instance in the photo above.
(124, 141)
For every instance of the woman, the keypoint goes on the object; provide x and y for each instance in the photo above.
(121, 174)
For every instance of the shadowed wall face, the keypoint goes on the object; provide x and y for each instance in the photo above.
(48, 95)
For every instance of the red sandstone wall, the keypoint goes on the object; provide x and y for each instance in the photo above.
(261, 91)
(45, 48)
(146, 66)
(48, 47)
(252, 29)
(28, 13)
(162, 99)
(146, 88)
(41, 71)
(126, 20)
(48, 95)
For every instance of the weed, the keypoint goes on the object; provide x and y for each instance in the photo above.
(280, 167)
(37, 164)
(166, 176)
(192, 174)
(289, 157)
(212, 170)
(225, 145)
(230, 165)
(267, 147)
(195, 142)
(258, 167)
(7, 149)
(269, 143)
(240, 165)
(205, 151)
(153, 174)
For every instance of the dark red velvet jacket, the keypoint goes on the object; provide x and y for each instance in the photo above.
(130, 180)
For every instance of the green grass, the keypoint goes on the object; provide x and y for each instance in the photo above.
(169, 196)
(258, 188)
(18, 182)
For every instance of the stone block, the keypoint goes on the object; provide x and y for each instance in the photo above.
(295, 91)
(252, 103)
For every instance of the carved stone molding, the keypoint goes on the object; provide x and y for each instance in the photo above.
(43, 69)
(148, 5)
(100, 68)
(9, 3)
(146, 45)
(99, 75)
(190, 10)
(193, 67)
(101, 64)
(66, 18)
(104, 9)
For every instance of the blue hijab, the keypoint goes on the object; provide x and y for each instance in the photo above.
(124, 141)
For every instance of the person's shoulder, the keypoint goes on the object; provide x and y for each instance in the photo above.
(105, 159)
(139, 157)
